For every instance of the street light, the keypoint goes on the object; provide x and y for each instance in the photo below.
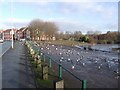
(12, 32)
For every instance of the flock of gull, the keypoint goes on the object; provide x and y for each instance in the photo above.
(76, 58)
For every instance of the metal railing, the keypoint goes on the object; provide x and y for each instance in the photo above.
(50, 60)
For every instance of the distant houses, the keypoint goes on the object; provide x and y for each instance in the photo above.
(7, 34)
(23, 33)
(44, 37)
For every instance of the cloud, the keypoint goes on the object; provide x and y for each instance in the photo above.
(13, 22)
(93, 7)
(65, 8)
(76, 26)
(37, 1)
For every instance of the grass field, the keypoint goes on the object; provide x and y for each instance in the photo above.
(63, 42)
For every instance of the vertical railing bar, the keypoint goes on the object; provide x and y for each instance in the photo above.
(60, 71)
(83, 84)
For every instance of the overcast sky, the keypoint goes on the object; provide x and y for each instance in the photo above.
(68, 15)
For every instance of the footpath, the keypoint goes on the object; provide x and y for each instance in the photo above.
(16, 68)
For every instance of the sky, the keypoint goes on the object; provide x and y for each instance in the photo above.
(89, 15)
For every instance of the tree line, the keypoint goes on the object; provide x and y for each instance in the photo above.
(48, 30)
(107, 38)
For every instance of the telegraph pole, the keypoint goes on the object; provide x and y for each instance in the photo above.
(12, 37)
(12, 32)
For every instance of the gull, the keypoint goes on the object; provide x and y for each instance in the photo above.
(99, 67)
(60, 60)
(68, 59)
(41, 53)
(61, 57)
(60, 53)
(96, 61)
(56, 48)
(77, 60)
(117, 71)
(109, 65)
(83, 64)
(78, 53)
(73, 67)
(68, 50)
(116, 60)
(53, 45)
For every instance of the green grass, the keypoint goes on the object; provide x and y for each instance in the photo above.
(63, 42)
(45, 83)
(38, 76)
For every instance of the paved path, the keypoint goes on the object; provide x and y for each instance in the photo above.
(16, 71)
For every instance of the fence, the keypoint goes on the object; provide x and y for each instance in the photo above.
(58, 69)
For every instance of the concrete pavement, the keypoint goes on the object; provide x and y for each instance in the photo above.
(16, 68)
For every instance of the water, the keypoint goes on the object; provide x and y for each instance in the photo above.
(4, 47)
(105, 47)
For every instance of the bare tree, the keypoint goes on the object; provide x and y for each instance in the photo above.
(50, 29)
(38, 29)
(35, 27)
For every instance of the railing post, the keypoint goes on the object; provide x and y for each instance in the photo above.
(44, 57)
(83, 84)
(50, 63)
(60, 71)
(41, 54)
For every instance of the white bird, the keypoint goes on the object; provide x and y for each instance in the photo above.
(96, 61)
(60, 60)
(73, 67)
(99, 67)
(53, 45)
(83, 64)
(41, 53)
(56, 48)
(117, 71)
(61, 57)
(60, 53)
(68, 50)
(68, 59)
(78, 53)
(109, 65)
(77, 60)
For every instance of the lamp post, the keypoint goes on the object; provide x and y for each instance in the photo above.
(12, 32)
(12, 37)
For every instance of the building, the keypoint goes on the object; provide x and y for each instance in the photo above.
(23, 33)
(7, 34)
